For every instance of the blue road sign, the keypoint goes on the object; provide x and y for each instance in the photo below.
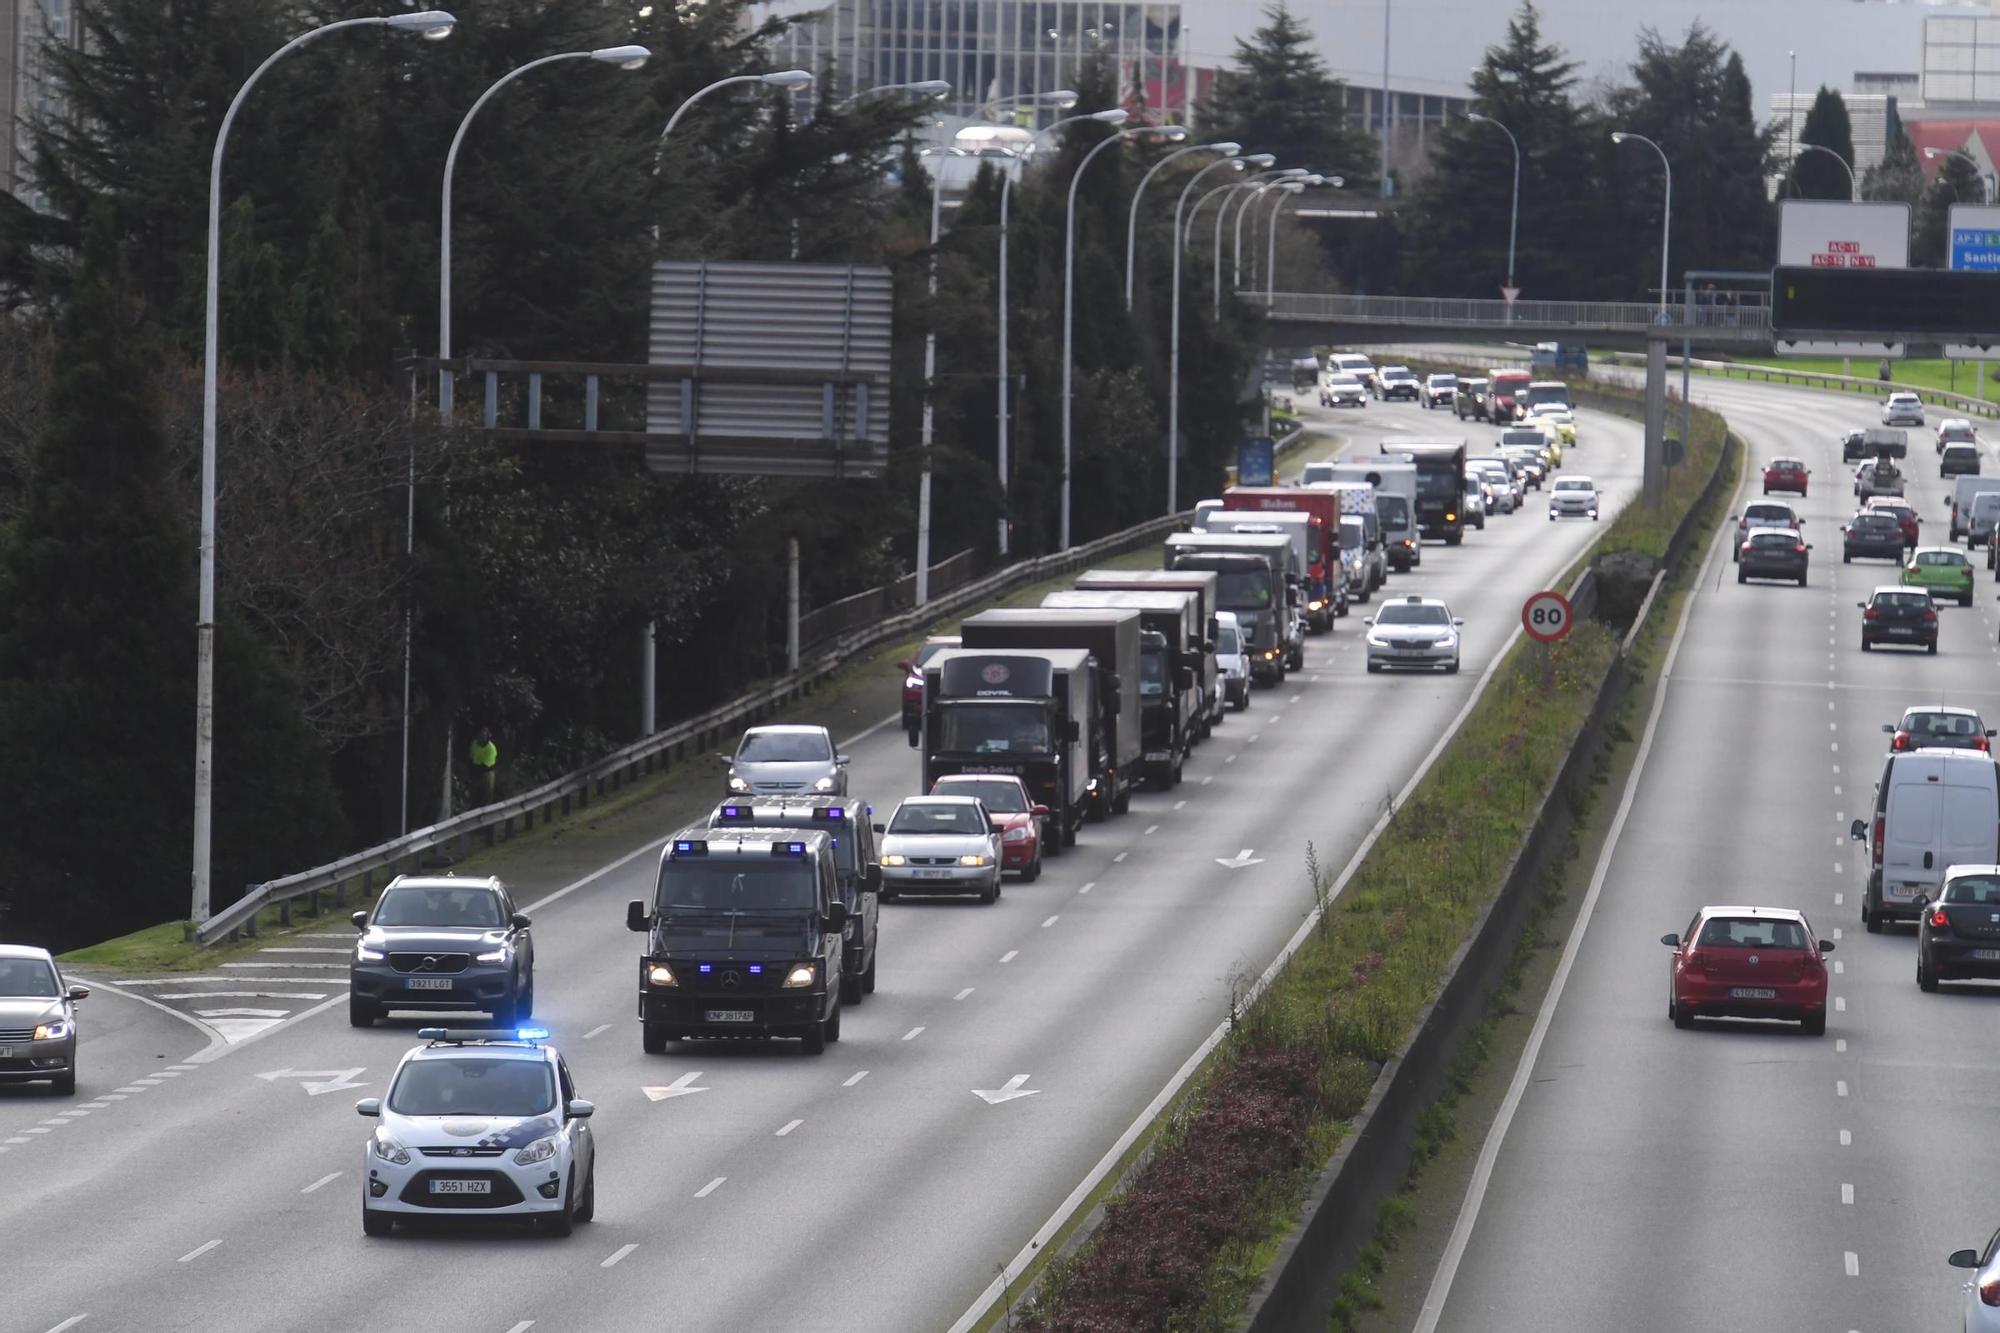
(1976, 249)
(1255, 459)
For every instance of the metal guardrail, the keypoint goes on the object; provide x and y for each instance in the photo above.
(1814, 379)
(493, 822)
(1750, 323)
(837, 618)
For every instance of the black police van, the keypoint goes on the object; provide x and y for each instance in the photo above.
(743, 939)
(854, 859)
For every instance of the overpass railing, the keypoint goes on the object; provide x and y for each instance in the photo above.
(1748, 322)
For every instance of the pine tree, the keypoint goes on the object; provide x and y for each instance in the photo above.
(1815, 175)
(1957, 182)
(1898, 176)
(1280, 99)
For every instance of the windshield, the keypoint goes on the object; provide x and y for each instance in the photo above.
(953, 818)
(1003, 798)
(1152, 675)
(1243, 588)
(475, 1085)
(1908, 601)
(1435, 484)
(1393, 511)
(1225, 641)
(1573, 484)
(419, 906)
(737, 884)
(1341, 380)
(984, 728)
(1768, 514)
(29, 977)
(930, 650)
(1983, 890)
(1404, 613)
(783, 747)
(1941, 558)
(1444, 381)
(1875, 523)
(1353, 534)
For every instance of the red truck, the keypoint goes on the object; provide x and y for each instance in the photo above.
(1507, 395)
(1325, 582)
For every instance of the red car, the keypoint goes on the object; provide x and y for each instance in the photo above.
(1906, 514)
(913, 682)
(1786, 474)
(1748, 962)
(1006, 800)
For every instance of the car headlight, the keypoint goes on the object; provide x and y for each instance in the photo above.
(801, 975)
(54, 1029)
(541, 1150)
(824, 784)
(975, 859)
(1016, 834)
(498, 955)
(895, 859)
(389, 1150)
(364, 954)
(660, 974)
(738, 784)
(1377, 642)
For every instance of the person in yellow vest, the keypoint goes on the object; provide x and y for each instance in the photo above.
(485, 761)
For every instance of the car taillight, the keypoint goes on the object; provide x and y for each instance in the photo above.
(1870, 613)
(1802, 548)
(1746, 546)
(1989, 1290)
(1930, 616)
(1979, 743)
(1875, 843)
(1938, 919)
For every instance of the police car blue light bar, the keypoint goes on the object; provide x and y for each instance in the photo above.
(831, 812)
(690, 847)
(735, 812)
(788, 849)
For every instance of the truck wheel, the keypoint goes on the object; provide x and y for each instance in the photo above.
(1453, 538)
(833, 1024)
(652, 1038)
(813, 1039)
(361, 1013)
(850, 988)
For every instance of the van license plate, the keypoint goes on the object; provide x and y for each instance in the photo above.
(428, 983)
(730, 1016)
(1752, 993)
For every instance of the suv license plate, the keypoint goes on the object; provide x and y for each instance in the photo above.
(428, 983)
(729, 1015)
(1752, 993)
(6, 1052)
(461, 1187)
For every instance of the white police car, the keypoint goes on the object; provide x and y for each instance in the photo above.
(480, 1122)
(1414, 632)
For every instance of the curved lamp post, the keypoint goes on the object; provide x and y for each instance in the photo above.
(784, 78)
(1666, 208)
(1514, 214)
(1985, 191)
(1853, 184)
(1285, 191)
(921, 88)
(429, 23)
(1174, 356)
(1132, 214)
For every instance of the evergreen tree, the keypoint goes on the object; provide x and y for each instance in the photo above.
(1898, 175)
(1814, 175)
(1957, 182)
(1280, 99)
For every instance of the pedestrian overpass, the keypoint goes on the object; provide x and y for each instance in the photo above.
(1337, 319)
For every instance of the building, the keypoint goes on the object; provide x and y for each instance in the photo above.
(1979, 140)
(1961, 59)
(27, 87)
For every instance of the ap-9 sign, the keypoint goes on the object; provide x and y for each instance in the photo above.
(1546, 616)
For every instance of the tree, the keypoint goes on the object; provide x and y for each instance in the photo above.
(1814, 175)
(1280, 99)
(1898, 175)
(1957, 182)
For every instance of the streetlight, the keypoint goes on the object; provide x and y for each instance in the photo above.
(432, 24)
(1249, 190)
(1174, 357)
(1115, 116)
(1514, 217)
(1132, 216)
(784, 78)
(1172, 134)
(1666, 207)
(1223, 192)
(1062, 99)
(1271, 248)
(922, 88)
(1985, 190)
(1229, 193)
(1853, 185)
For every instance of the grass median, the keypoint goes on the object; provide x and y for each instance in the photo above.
(1189, 1234)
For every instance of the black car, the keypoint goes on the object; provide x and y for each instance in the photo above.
(1872, 535)
(434, 943)
(1958, 936)
(1773, 553)
(1397, 382)
(855, 862)
(1470, 399)
(1899, 615)
(1854, 446)
(1959, 460)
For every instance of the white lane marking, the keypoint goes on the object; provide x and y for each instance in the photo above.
(522, 1327)
(1180, 805)
(18, 1141)
(710, 1187)
(244, 995)
(254, 967)
(1837, 898)
(36, 1130)
(1087, 888)
(1840, 1046)
(866, 732)
(97, 1106)
(77, 1114)
(324, 1180)
(1010, 955)
(1051, 921)
(131, 1087)
(600, 1028)
(619, 1253)
(1836, 747)
(1836, 791)
(1210, 778)
(1151, 829)
(70, 1322)
(856, 1078)
(1120, 857)
(308, 950)
(189, 981)
(1840, 1087)
(171, 1071)
(1295, 698)
(962, 994)
(1846, 1138)
(215, 1042)
(1229, 759)
(1839, 968)
(1847, 1194)
(1840, 816)
(199, 1250)
(243, 1013)
(680, 1087)
(153, 1082)
(1837, 868)
(1253, 739)
(911, 1035)
(1836, 932)
(189, 1069)
(595, 875)
(1853, 1264)
(1836, 768)
(787, 1128)
(1840, 1004)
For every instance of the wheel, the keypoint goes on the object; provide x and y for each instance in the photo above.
(375, 1222)
(506, 1013)
(1815, 1026)
(814, 1039)
(1847, 557)
(1742, 577)
(1453, 538)
(1872, 920)
(887, 896)
(1682, 1018)
(850, 987)
(1034, 870)
(1374, 667)
(833, 1024)
(562, 1222)
(1552, 516)
(361, 1013)
(868, 977)
(1865, 645)
(1926, 979)
(1069, 836)
(524, 1007)
(652, 1038)
(990, 892)
(64, 1084)
(1965, 600)
(586, 1207)
(1931, 647)
(1802, 583)
(1452, 670)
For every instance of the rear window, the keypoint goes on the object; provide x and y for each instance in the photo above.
(1787, 465)
(1743, 932)
(1768, 513)
(1941, 558)
(1983, 890)
(1776, 541)
(1906, 601)
(1875, 523)
(1941, 724)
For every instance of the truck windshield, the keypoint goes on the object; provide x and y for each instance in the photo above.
(977, 728)
(1437, 484)
(1393, 511)
(1243, 588)
(1353, 534)
(1152, 675)
(778, 884)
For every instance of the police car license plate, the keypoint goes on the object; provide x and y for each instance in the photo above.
(1752, 993)
(729, 1016)
(428, 983)
(461, 1187)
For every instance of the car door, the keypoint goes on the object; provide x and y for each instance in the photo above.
(867, 860)
(583, 1146)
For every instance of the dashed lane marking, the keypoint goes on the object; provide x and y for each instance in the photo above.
(911, 1035)
(1840, 1087)
(1010, 955)
(1846, 1138)
(1051, 921)
(199, 1251)
(787, 1128)
(962, 994)
(597, 1031)
(855, 1078)
(323, 1181)
(1853, 1264)
(69, 1323)
(1120, 857)
(619, 1253)
(1847, 1194)
(713, 1185)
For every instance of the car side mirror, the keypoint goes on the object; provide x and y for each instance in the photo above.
(879, 828)
(1369, 621)
(1671, 941)
(1042, 811)
(840, 761)
(1890, 728)
(370, 1106)
(1457, 623)
(1862, 605)
(1809, 546)
(835, 919)
(995, 826)
(1074, 732)
(579, 1109)
(1964, 1259)
(1187, 678)
(1858, 831)
(1826, 946)
(635, 916)
(727, 759)
(360, 920)
(520, 921)
(909, 668)
(78, 993)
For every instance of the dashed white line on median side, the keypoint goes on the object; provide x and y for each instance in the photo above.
(1846, 1138)
(619, 1253)
(1120, 857)
(1210, 778)
(600, 1028)
(1853, 1264)
(522, 1327)
(1840, 1004)
(787, 1128)
(69, 1323)
(710, 1187)
(855, 1078)
(911, 1035)
(962, 994)
(1840, 1087)
(1180, 805)
(1010, 955)
(1847, 1194)
(199, 1250)
(326, 1179)
(1151, 829)
(1840, 1046)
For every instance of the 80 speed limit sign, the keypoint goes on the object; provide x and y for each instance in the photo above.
(1546, 616)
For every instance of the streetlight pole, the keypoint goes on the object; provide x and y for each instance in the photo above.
(1229, 193)
(431, 23)
(1132, 215)
(921, 88)
(1514, 216)
(1112, 117)
(923, 590)
(1666, 208)
(1172, 134)
(1174, 356)
(1385, 99)
(1853, 183)
(1285, 190)
(1792, 108)
(1985, 190)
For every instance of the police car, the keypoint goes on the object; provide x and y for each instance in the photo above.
(479, 1122)
(854, 860)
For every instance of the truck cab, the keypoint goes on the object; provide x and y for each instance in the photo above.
(1260, 584)
(1031, 712)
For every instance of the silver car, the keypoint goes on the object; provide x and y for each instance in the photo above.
(1903, 409)
(781, 760)
(940, 844)
(1500, 480)
(1573, 497)
(1414, 632)
(1231, 665)
(37, 1019)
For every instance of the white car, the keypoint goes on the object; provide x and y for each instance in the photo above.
(1956, 430)
(480, 1122)
(1413, 632)
(1440, 390)
(940, 844)
(1903, 409)
(1339, 388)
(1230, 662)
(1573, 497)
(1473, 504)
(1500, 481)
(1982, 1289)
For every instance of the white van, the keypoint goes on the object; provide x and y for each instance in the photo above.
(1934, 809)
(1962, 490)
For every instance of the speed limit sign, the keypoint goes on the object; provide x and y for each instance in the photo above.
(1546, 616)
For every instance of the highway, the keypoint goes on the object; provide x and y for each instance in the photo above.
(753, 1187)
(1745, 1176)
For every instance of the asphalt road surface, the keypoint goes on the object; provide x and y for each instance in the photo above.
(866, 1189)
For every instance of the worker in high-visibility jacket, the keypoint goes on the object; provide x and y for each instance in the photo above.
(485, 757)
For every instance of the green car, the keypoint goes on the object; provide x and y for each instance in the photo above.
(1942, 569)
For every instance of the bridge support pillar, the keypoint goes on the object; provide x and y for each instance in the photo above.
(1653, 484)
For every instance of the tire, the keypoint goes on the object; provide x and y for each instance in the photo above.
(524, 1007)
(1931, 647)
(1815, 1026)
(1965, 600)
(868, 977)
(1069, 836)
(375, 1222)
(1682, 1018)
(1452, 670)
(850, 988)
(563, 1222)
(1847, 557)
(1742, 577)
(586, 1206)
(506, 1013)
(989, 893)
(813, 1039)
(1374, 668)
(361, 1013)
(1872, 920)
(1926, 979)
(1453, 538)
(652, 1038)
(832, 1026)
(1802, 583)
(64, 1084)
(1865, 645)
(1034, 870)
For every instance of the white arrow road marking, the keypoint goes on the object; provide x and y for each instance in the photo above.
(242, 1013)
(1241, 859)
(994, 1096)
(245, 995)
(680, 1087)
(317, 1081)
